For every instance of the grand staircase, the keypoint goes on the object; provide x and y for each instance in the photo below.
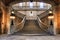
(31, 27)
(35, 27)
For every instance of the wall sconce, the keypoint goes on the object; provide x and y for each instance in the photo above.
(50, 15)
(12, 12)
(50, 11)
(12, 16)
(50, 28)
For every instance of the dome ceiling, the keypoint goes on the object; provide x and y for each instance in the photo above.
(47, 1)
(39, 6)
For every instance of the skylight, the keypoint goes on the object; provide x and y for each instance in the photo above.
(31, 4)
(20, 4)
(41, 5)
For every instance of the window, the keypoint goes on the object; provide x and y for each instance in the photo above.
(31, 4)
(20, 4)
(41, 5)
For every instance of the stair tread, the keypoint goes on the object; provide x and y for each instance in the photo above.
(31, 28)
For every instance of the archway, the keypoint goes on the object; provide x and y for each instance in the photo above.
(44, 20)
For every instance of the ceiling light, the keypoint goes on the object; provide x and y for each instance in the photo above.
(50, 11)
(12, 12)
(41, 4)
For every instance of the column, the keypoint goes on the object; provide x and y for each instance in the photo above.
(4, 18)
(56, 11)
(8, 20)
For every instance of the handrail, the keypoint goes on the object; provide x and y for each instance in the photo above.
(20, 24)
(42, 15)
(19, 14)
(42, 22)
(31, 7)
(21, 21)
(39, 21)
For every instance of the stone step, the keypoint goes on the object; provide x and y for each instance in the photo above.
(31, 28)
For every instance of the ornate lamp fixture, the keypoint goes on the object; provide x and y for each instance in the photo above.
(12, 16)
(50, 14)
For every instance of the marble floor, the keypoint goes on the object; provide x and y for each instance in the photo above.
(18, 37)
(29, 36)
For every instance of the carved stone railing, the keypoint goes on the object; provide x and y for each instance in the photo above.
(42, 15)
(19, 14)
(42, 25)
(18, 27)
(47, 28)
(28, 7)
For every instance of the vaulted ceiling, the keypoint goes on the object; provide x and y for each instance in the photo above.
(7, 2)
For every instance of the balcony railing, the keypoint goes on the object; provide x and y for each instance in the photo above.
(28, 7)
(42, 25)
(17, 27)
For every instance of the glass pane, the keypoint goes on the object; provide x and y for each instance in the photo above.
(41, 5)
(20, 4)
(31, 4)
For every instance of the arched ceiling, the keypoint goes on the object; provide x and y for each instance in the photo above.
(7, 2)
